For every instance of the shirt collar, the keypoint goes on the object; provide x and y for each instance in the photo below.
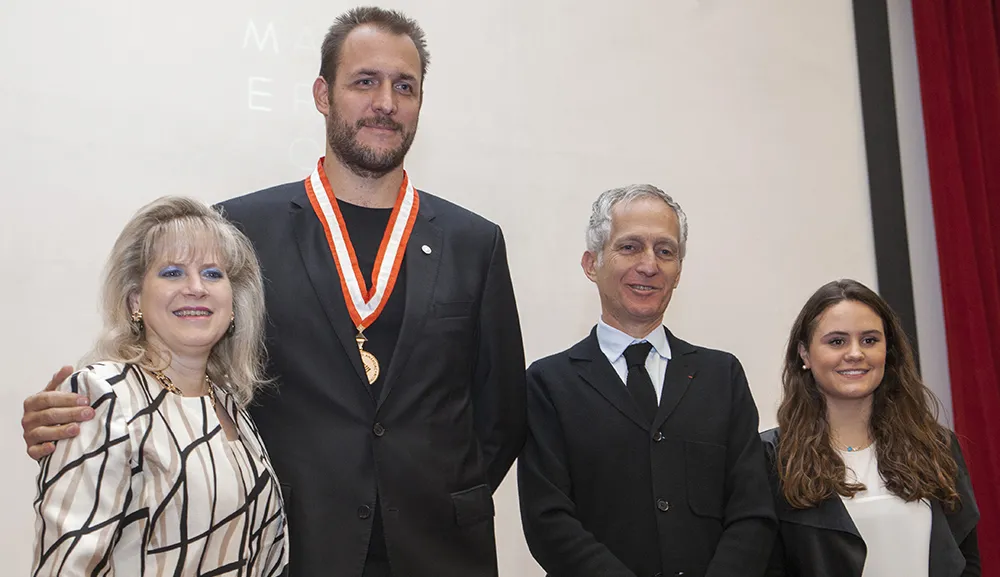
(613, 342)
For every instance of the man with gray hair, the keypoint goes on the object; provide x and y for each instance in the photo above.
(642, 457)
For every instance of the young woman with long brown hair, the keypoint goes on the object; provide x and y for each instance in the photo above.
(866, 482)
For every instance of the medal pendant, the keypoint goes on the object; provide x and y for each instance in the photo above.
(367, 359)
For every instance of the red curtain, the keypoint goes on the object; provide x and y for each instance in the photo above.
(959, 62)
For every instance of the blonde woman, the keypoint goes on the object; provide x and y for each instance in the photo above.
(170, 476)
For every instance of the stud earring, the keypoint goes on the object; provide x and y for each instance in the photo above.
(805, 367)
(137, 323)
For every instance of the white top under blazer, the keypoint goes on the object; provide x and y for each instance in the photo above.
(897, 534)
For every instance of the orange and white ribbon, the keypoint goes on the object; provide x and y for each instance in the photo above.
(364, 303)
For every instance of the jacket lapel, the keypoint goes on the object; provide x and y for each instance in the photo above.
(681, 369)
(946, 558)
(421, 276)
(830, 514)
(594, 368)
(322, 272)
(949, 528)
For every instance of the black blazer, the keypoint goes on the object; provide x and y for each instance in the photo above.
(450, 418)
(823, 541)
(604, 495)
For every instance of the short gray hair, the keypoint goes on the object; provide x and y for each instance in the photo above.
(236, 362)
(599, 228)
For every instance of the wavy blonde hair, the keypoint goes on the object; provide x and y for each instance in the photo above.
(187, 226)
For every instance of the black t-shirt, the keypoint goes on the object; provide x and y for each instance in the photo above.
(366, 227)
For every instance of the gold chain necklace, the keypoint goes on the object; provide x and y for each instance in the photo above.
(170, 386)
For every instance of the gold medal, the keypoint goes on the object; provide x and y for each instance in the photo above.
(367, 359)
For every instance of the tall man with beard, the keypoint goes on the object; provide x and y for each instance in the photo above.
(393, 336)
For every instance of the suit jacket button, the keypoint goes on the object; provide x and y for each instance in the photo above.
(658, 437)
(378, 429)
(662, 505)
(364, 512)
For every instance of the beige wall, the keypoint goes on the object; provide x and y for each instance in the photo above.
(919, 214)
(748, 112)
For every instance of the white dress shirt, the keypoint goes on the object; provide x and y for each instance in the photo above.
(613, 343)
(896, 533)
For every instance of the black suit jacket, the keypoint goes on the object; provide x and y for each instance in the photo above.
(450, 418)
(822, 541)
(604, 495)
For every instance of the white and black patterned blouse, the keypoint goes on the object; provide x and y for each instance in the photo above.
(151, 486)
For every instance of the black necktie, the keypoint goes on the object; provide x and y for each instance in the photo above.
(638, 382)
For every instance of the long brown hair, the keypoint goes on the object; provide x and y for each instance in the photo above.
(913, 450)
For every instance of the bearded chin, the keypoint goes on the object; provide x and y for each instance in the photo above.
(360, 159)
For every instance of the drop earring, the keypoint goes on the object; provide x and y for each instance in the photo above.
(137, 323)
